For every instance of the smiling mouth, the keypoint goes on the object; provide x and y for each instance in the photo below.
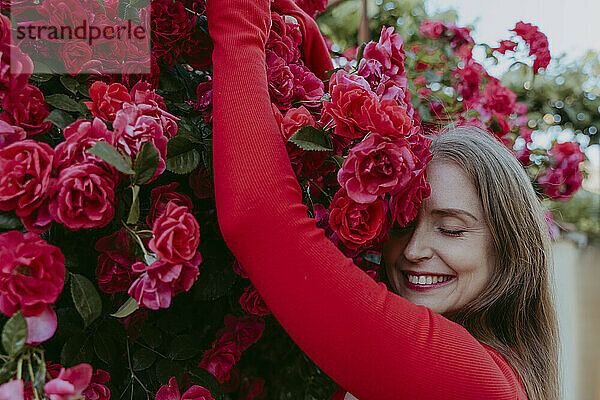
(421, 282)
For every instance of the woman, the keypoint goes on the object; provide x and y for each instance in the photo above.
(499, 338)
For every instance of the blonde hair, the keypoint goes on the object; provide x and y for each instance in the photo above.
(514, 313)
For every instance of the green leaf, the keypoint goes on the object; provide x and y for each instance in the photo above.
(69, 82)
(63, 102)
(8, 370)
(60, 118)
(182, 158)
(165, 369)
(112, 156)
(126, 309)
(310, 138)
(77, 350)
(134, 212)
(359, 53)
(9, 221)
(41, 77)
(183, 347)
(104, 347)
(86, 298)
(151, 336)
(146, 163)
(143, 359)
(218, 280)
(14, 334)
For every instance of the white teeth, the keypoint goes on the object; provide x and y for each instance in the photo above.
(427, 280)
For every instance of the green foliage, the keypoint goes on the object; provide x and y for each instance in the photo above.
(14, 334)
(86, 298)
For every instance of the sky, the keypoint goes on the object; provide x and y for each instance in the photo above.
(572, 27)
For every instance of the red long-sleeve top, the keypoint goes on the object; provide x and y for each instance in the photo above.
(374, 343)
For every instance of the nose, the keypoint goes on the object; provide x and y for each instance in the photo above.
(419, 245)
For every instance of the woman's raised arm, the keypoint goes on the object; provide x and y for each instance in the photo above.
(374, 343)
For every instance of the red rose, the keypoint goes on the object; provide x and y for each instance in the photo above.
(499, 98)
(10, 134)
(247, 330)
(389, 51)
(142, 93)
(171, 392)
(26, 176)
(431, 29)
(75, 55)
(71, 13)
(281, 80)
(15, 69)
(81, 136)
(252, 303)
(113, 271)
(5, 28)
(284, 39)
(97, 389)
(357, 225)
(197, 50)
(252, 388)
(107, 99)
(161, 196)
(84, 197)
(32, 273)
(176, 234)
(307, 86)
(404, 205)
(468, 81)
(376, 166)
(220, 359)
(27, 109)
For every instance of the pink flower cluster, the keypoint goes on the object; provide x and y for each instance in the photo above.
(434, 29)
(289, 79)
(171, 392)
(237, 335)
(32, 273)
(538, 44)
(563, 177)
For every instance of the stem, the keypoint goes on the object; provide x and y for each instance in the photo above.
(137, 238)
(321, 190)
(20, 368)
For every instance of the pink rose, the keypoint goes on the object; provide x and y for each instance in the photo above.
(26, 108)
(5, 29)
(32, 273)
(220, 359)
(161, 196)
(84, 197)
(10, 134)
(389, 51)
(252, 303)
(431, 29)
(376, 166)
(80, 136)
(468, 81)
(70, 383)
(499, 98)
(176, 234)
(171, 392)
(307, 87)
(12, 390)
(284, 39)
(15, 69)
(113, 271)
(27, 176)
(281, 80)
(357, 225)
(150, 293)
(107, 99)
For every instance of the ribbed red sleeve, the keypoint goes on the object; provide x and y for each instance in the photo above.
(374, 343)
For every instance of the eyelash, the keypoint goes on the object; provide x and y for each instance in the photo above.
(451, 233)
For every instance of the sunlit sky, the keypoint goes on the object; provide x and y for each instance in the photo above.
(572, 26)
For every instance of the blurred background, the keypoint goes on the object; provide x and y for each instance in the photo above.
(563, 105)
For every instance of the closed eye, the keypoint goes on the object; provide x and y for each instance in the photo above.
(451, 232)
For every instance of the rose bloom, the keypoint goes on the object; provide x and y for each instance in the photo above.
(113, 270)
(252, 303)
(281, 80)
(97, 389)
(171, 392)
(389, 51)
(246, 330)
(499, 98)
(170, 22)
(159, 198)
(15, 69)
(26, 176)
(431, 29)
(376, 166)
(404, 205)
(32, 273)
(307, 87)
(70, 383)
(284, 39)
(197, 50)
(84, 197)
(75, 54)
(10, 134)
(107, 99)
(176, 234)
(312, 7)
(220, 358)
(12, 390)
(27, 109)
